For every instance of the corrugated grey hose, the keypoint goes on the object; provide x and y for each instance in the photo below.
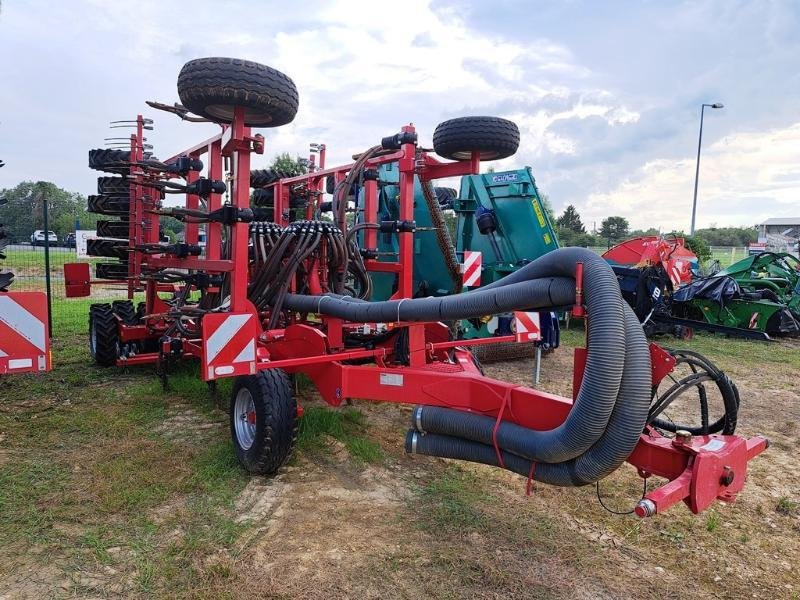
(616, 380)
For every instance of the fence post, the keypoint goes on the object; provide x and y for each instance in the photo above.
(47, 264)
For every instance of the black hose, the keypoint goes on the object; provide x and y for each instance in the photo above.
(611, 406)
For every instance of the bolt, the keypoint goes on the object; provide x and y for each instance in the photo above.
(682, 437)
(645, 508)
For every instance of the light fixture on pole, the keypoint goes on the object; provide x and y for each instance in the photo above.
(697, 170)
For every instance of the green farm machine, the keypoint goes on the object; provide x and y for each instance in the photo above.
(498, 215)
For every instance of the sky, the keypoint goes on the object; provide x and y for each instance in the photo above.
(607, 95)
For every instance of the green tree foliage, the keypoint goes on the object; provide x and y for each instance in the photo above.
(288, 166)
(571, 220)
(614, 229)
(644, 232)
(24, 213)
(696, 244)
(728, 236)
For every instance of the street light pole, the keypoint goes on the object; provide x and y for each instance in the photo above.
(697, 169)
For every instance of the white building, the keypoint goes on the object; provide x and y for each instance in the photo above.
(780, 234)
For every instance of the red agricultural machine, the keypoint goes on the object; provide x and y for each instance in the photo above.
(24, 334)
(281, 288)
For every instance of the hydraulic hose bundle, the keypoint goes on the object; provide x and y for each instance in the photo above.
(611, 408)
(313, 254)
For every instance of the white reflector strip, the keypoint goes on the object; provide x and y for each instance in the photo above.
(23, 322)
(224, 334)
(248, 353)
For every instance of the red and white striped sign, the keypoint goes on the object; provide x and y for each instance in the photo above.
(526, 326)
(471, 269)
(24, 339)
(229, 345)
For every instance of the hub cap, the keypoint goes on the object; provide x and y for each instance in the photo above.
(244, 414)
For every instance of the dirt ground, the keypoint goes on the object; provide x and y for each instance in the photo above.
(110, 488)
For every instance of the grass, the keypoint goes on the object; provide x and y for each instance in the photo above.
(346, 425)
(452, 500)
(787, 506)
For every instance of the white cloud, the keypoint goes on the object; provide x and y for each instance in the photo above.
(744, 178)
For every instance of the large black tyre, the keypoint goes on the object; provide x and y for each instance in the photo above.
(113, 185)
(444, 196)
(125, 311)
(103, 335)
(212, 87)
(109, 248)
(266, 197)
(263, 420)
(113, 229)
(493, 137)
(111, 270)
(110, 161)
(104, 204)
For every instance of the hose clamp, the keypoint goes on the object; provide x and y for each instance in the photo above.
(414, 438)
(418, 419)
(399, 304)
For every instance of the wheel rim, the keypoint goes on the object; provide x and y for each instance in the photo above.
(244, 415)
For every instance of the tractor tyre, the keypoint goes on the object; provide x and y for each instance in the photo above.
(261, 177)
(213, 87)
(111, 270)
(103, 335)
(108, 248)
(492, 137)
(125, 311)
(263, 418)
(104, 204)
(444, 196)
(266, 197)
(113, 185)
(110, 161)
(113, 229)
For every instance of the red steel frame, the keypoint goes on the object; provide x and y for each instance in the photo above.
(699, 470)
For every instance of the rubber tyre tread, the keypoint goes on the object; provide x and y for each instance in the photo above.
(113, 229)
(104, 204)
(113, 185)
(104, 323)
(445, 196)
(276, 421)
(108, 248)
(493, 137)
(111, 270)
(110, 161)
(125, 311)
(269, 96)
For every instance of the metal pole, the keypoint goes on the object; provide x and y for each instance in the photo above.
(47, 263)
(697, 170)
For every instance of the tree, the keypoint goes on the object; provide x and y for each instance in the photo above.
(696, 244)
(288, 166)
(571, 220)
(24, 211)
(614, 229)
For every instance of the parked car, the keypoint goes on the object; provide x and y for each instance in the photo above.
(37, 238)
(69, 241)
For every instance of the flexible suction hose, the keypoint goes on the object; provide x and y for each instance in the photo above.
(611, 406)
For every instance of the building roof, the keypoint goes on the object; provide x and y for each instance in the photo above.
(782, 221)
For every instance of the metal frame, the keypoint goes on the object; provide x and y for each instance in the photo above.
(440, 372)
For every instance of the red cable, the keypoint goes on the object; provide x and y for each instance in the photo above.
(497, 426)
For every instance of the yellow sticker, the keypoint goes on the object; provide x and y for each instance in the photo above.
(538, 210)
(547, 238)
